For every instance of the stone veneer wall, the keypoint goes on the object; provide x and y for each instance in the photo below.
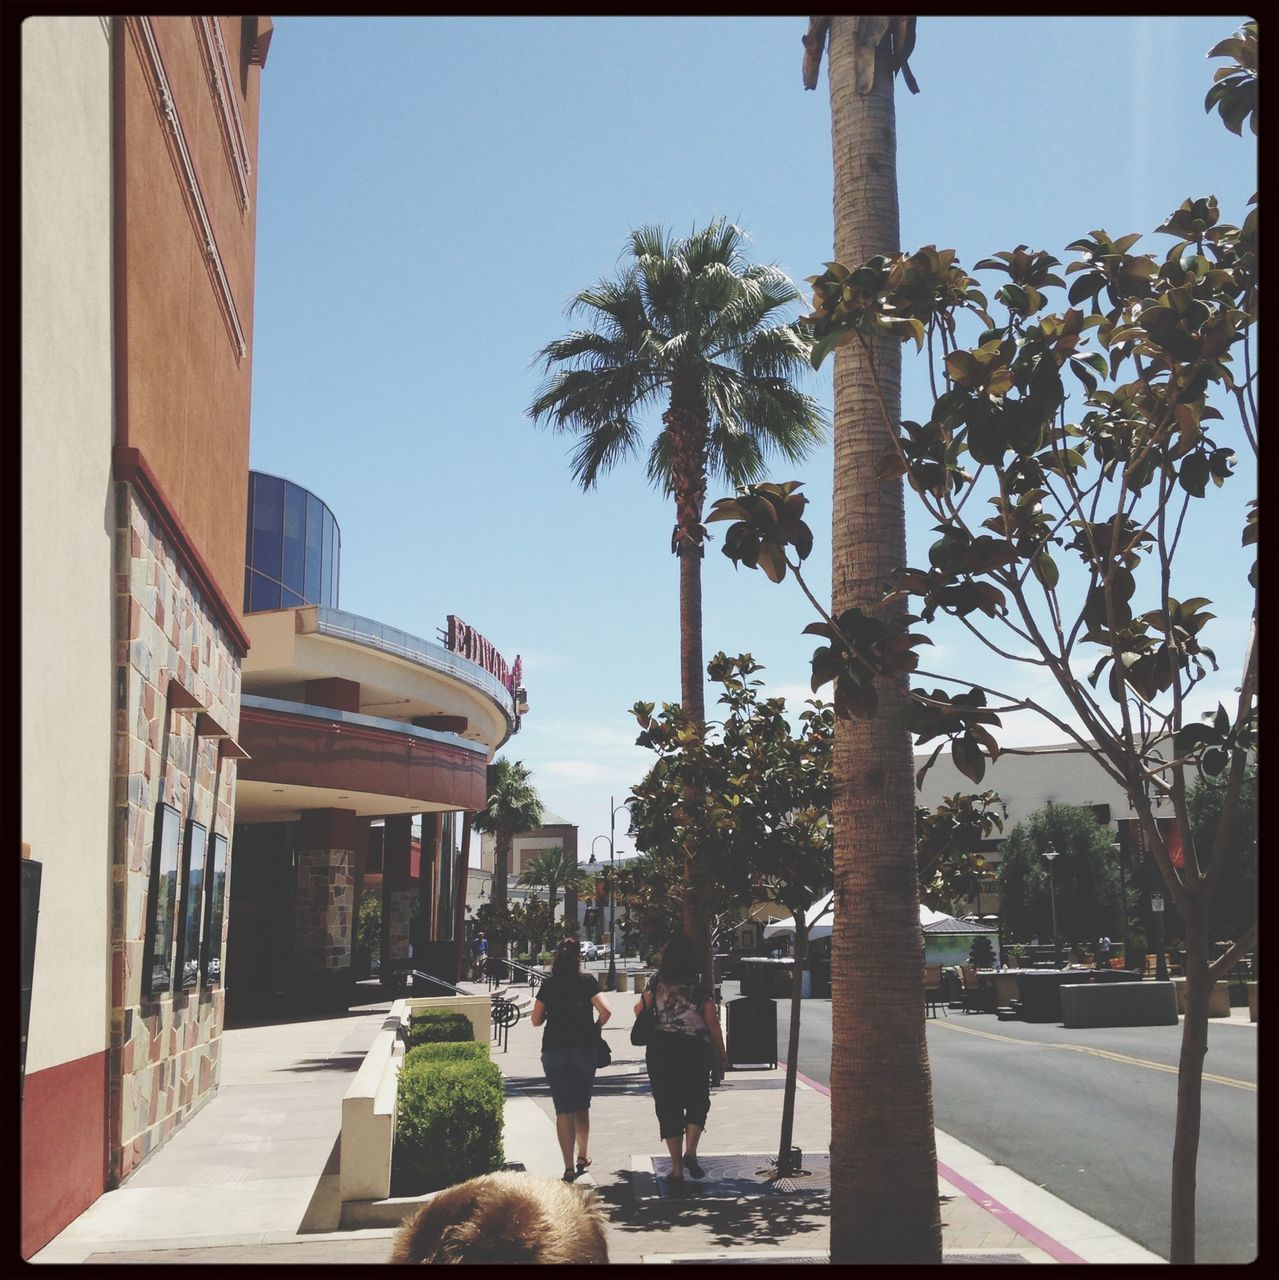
(398, 911)
(325, 909)
(165, 1049)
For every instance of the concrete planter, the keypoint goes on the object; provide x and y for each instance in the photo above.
(1252, 1002)
(1218, 999)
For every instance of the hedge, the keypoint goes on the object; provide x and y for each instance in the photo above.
(449, 1124)
(447, 1051)
(435, 1026)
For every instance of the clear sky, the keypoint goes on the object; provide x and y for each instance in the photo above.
(432, 191)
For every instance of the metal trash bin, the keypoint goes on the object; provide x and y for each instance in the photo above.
(752, 1031)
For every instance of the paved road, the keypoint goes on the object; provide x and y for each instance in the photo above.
(1088, 1114)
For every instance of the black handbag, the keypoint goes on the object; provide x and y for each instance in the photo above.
(604, 1055)
(645, 1022)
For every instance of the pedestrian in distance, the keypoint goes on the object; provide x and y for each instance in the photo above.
(570, 1049)
(679, 1054)
(479, 953)
(1103, 952)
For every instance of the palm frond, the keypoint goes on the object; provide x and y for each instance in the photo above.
(602, 448)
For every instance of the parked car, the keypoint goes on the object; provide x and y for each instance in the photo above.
(595, 951)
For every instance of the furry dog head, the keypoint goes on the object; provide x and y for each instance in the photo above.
(504, 1217)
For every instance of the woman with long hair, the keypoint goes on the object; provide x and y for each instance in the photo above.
(679, 1053)
(570, 1049)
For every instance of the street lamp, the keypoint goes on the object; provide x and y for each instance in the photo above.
(1118, 850)
(598, 930)
(1050, 853)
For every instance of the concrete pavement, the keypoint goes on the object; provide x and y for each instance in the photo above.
(253, 1177)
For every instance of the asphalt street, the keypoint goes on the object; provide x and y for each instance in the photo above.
(1088, 1114)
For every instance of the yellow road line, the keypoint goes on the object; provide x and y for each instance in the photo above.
(1097, 1053)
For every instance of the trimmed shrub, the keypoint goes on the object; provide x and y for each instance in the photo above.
(435, 1026)
(545, 957)
(449, 1124)
(447, 1051)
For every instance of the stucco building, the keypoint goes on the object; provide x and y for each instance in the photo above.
(138, 214)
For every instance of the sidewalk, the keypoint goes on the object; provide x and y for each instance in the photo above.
(252, 1177)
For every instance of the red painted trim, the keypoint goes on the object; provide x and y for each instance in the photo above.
(64, 1146)
(131, 467)
(1054, 1248)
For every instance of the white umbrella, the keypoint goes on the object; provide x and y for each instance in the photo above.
(817, 917)
(820, 918)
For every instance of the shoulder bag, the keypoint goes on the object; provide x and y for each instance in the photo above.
(646, 1020)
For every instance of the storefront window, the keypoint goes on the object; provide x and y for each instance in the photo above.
(192, 904)
(215, 904)
(157, 957)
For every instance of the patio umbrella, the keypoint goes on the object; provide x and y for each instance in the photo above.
(820, 918)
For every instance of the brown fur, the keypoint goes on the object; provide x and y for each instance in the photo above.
(504, 1217)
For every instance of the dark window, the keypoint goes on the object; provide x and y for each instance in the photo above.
(1100, 813)
(192, 904)
(248, 532)
(215, 903)
(315, 514)
(326, 562)
(268, 518)
(157, 956)
(337, 561)
(294, 537)
(263, 593)
(290, 599)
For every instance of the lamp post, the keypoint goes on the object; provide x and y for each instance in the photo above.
(598, 929)
(1118, 850)
(1050, 853)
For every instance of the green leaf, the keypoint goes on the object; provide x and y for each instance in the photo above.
(1045, 569)
(968, 759)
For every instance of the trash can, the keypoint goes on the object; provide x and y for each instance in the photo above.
(752, 1031)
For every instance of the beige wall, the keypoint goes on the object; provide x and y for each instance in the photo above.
(67, 525)
(1028, 783)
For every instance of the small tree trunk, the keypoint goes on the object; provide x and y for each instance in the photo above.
(1194, 1046)
(792, 1047)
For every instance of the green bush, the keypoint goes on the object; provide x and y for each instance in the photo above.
(449, 1124)
(447, 1051)
(545, 957)
(435, 1026)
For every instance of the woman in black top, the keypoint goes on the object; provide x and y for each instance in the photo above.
(570, 1048)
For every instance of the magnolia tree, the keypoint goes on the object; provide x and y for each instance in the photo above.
(761, 826)
(1060, 516)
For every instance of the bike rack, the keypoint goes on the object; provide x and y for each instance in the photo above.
(504, 1013)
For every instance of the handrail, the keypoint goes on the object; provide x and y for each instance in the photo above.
(493, 977)
(439, 982)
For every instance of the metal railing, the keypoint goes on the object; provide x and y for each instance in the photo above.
(503, 1013)
(494, 973)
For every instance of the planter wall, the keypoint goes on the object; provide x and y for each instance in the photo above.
(1218, 999)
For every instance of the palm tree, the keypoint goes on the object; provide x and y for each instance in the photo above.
(555, 869)
(512, 806)
(693, 325)
(883, 1153)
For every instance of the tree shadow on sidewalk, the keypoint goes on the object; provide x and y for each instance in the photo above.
(753, 1220)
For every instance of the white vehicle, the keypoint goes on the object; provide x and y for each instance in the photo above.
(594, 951)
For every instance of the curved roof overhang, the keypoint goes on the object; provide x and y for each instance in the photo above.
(303, 757)
(401, 677)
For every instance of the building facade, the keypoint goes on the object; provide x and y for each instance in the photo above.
(368, 750)
(139, 190)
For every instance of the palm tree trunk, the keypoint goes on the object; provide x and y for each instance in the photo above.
(1190, 1067)
(883, 1152)
(686, 421)
(502, 842)
(792, 1046)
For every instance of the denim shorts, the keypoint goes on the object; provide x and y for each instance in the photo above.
(571, 1075)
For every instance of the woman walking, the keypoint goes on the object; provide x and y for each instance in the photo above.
(679, 1054)
(570, 1049)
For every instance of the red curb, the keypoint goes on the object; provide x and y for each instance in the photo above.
(1054, 1248)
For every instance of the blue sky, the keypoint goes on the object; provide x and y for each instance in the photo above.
(432, 191)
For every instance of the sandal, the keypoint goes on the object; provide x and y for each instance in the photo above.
(570, 1175)
(690, 1163)
(583, 1163)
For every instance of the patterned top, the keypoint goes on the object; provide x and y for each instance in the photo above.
(679, 1008)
